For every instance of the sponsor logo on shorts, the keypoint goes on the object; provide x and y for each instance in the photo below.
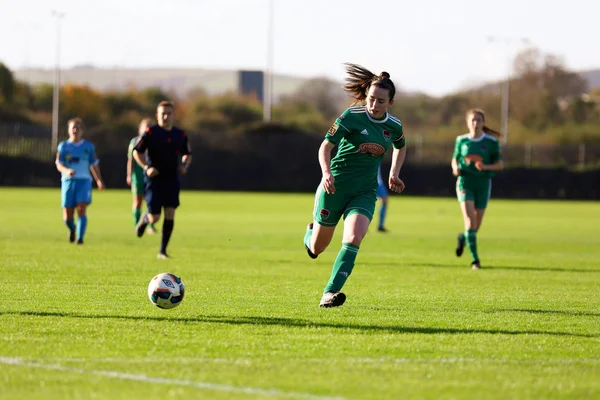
(374, 149)
(324, 213)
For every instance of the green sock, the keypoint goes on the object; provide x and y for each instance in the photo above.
(137, 213)
(471, 236)
(342, 267)
(307, 237)
(150, 225)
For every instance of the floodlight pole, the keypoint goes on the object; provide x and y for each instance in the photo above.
(504, 104)
(268, 75)
(55, 94)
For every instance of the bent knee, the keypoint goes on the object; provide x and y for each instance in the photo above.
(354, 239)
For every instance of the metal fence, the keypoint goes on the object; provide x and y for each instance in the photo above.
(29, 141)
(34, 142)
(571, 155)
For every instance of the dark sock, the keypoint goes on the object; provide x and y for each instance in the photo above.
(81, 227)
(70, 224)
(137, 213)
(166, 235)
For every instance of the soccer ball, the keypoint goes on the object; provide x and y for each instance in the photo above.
(166, 290)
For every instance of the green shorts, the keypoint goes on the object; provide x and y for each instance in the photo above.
(477, 190)
(329, 208)
(137, 185)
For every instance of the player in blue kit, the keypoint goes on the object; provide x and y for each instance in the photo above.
(382, 194)
(168, 156)
(75, 159)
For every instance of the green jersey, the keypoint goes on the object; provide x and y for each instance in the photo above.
(362, 142)
(466, 151)
(137, 171)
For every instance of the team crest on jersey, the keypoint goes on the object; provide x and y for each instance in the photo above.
(333, 129)
(373, 149)
(386, 135)
(68, 157)
(324, 213)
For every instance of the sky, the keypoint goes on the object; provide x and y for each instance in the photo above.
(433, 46)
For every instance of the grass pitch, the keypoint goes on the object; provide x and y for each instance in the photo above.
(76, 322)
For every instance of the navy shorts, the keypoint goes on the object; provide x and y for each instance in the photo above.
(163, 193)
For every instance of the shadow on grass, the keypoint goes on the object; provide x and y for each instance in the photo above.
(551, 269)
(491, 267)
(288, 322)
(553, 312)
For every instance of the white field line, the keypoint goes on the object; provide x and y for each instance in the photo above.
(166, 381)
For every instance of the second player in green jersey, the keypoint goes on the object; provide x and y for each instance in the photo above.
(474, 162)
(135, 177)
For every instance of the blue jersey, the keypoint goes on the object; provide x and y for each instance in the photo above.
(78, 157)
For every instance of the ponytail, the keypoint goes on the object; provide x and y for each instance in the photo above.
(360, 79)
(492, 132)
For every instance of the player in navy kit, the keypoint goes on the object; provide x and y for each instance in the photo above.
(168, 156)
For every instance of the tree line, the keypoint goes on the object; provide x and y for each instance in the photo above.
(548, 104)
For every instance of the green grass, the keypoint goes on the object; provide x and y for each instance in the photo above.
(76, 322)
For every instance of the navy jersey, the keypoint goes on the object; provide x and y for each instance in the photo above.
(165, 149)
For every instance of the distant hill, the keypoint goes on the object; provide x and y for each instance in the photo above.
(180, 80)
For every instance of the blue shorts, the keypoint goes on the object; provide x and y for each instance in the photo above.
(382, 191)
(160, 194)
(75, 191)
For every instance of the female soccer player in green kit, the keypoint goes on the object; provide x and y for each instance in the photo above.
(475, 160)
(363, 134)
(135, 177)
